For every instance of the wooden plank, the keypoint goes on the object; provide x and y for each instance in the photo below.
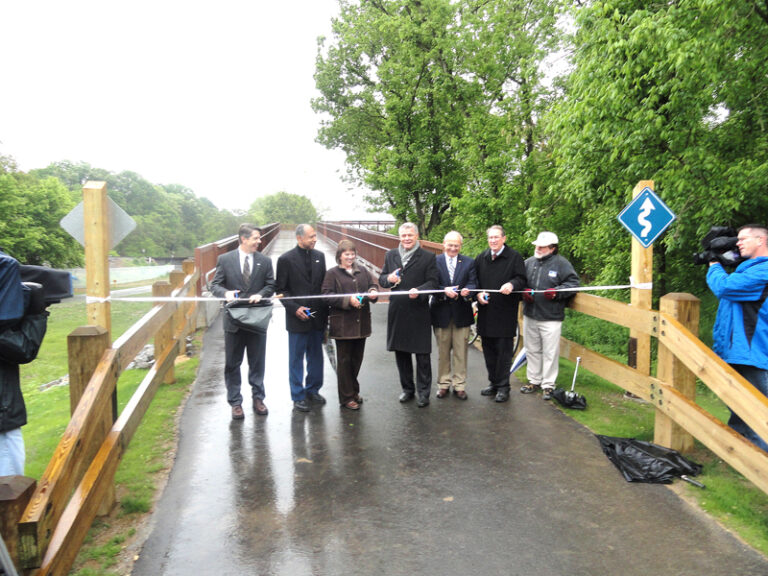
(79, 514)
(670, 370)
(137, 406)
(623, 376)
(621, 313)
(66, 467)
(96, 228)
(730, 387)
(736, 450)
(138, 335)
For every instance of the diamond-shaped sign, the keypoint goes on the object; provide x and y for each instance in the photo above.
(121, 224)
(646, 217)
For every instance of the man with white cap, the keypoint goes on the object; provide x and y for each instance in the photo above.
(544, 303)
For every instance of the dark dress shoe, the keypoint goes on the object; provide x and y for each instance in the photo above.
(502, 395)
(301, 406)
(259, 407)
(315, 399)
(423, 402)
(359, 399)
(406, 396)
(237, 413)
(443, 392)
(488, 391)
(460, 394)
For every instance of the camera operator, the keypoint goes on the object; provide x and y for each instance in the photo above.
(21, 333)
(740, 333)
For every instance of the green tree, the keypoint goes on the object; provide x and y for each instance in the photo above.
(392, 95)
(29, 228)
(290, 209)
(669, 92)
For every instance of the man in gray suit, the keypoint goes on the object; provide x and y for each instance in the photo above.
(244, 274)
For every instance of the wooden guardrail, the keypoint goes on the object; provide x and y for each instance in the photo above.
(682, 358)
(62, 508)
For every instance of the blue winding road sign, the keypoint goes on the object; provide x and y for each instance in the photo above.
(646, 217)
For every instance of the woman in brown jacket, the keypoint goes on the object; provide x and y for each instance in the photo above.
(350, 319)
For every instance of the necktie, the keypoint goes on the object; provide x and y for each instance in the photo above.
(451, 268)
(493, 255)
(247, 271)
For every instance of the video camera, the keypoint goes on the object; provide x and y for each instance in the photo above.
(29, 289)
(719, 246)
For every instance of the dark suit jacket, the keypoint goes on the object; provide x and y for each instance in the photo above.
(442, 308)
(408, 321)
(295, 278)
(229, 276)
(498, 318)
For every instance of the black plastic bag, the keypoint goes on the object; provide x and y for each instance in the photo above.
(640, 461)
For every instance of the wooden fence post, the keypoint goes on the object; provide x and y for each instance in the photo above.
(96, 224)
(164, 335)
(85, 347)
(15, 494)
(190, 310)
(639, 346)
(685, 308)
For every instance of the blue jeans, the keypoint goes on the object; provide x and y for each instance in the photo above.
(759, 379)
(301, 345)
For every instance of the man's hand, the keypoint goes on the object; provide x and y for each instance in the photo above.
(230, 295)
(482, 298)
(451, 292)
(394, 277)
(373, 295)
(506, 288)
(464, 292)
(550, 294)
(256, 298)
(413, 293)
(528, 295)
(303, 313)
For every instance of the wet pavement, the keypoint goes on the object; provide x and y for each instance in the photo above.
(456, 488)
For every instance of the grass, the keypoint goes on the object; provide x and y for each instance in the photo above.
(729, 497)
(151, 449)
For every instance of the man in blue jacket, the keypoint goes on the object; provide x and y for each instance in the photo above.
(741, 328)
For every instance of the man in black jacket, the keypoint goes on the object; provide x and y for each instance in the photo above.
(503, 269)
(20, 340)
(300, 272)
(410, 268)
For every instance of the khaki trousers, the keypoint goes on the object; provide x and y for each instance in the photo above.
(542, 350)
(452, 356)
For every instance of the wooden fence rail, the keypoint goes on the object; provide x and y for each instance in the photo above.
(54, 524)
(669, 401)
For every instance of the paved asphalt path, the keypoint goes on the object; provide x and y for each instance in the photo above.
(456, 488)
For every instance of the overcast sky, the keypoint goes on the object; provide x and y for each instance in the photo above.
(211, 95)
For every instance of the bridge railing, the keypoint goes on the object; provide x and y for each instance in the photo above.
(682, 358)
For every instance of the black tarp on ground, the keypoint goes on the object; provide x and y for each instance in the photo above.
(640, 461)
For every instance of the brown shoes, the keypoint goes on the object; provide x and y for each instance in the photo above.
(460, 394)
(259, 407)
(237, 412)
(443, 392)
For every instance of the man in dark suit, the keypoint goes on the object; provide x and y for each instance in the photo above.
(300, 272)
(410, 268)
(503, 269)
(245, 274)
(452, 315)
